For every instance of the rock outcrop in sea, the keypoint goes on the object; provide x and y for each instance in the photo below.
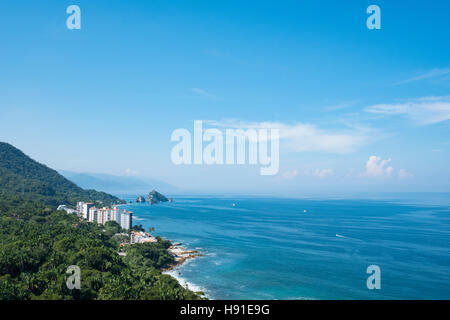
(155, 197)
(140, 199)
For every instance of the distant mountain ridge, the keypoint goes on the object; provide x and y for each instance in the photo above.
(24, 178)
(116, 184)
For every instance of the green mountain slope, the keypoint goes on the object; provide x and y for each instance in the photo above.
(38, 243)
(26, 179)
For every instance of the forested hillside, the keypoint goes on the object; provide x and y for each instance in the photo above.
(38, 243)
(24, 179)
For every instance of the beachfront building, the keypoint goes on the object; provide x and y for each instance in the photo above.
(83, 209)
(93, 214)
(141, 237)
(126, 219)
(102, 215)
(63, 207)
(79, 205)
(116, 214)
(108, 215)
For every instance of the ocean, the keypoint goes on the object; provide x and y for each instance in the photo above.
(276, 248)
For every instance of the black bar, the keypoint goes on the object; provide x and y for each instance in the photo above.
(225, 309)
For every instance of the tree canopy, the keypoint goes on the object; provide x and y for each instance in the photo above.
(38, 243)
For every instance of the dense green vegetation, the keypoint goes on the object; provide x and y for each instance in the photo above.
(23, 179)
(38, 244)
(35, 253)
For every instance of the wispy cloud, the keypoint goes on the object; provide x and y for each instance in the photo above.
(202, 92)
(130, 172)
(289, 175)
(423, 111)
(340, 106)
(403, 174)
(435, 73)
(323, 173)
(303, 137)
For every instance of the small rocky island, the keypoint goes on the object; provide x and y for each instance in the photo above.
(155, 197)
(140, 199)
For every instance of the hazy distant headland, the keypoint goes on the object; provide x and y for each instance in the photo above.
(117, 184)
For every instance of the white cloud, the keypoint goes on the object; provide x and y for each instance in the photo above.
(376, 167)
(303, 137)
(130, 172)
(289, 175)
(202, 92)
(403, 174)
(430, 74)
(423, 111)
(340, 106)
(323, 173)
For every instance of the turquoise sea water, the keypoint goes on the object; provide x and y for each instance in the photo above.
(264, 248)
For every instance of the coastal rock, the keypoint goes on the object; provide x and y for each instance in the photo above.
(155, 197)
(181, 254)
(140, 199)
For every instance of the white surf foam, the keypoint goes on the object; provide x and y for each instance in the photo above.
(175, 273)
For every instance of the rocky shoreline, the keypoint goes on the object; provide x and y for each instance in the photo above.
(181, 255)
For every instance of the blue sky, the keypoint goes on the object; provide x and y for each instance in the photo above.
(106, 98)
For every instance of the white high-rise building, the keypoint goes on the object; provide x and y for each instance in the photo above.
(85, 210)
(116, 214)
(100, 214)
(108, 215)
(93, 214)
(126, 218)
(79, 207)
(104, 215)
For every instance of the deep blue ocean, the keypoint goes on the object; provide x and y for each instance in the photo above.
(275, 248)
